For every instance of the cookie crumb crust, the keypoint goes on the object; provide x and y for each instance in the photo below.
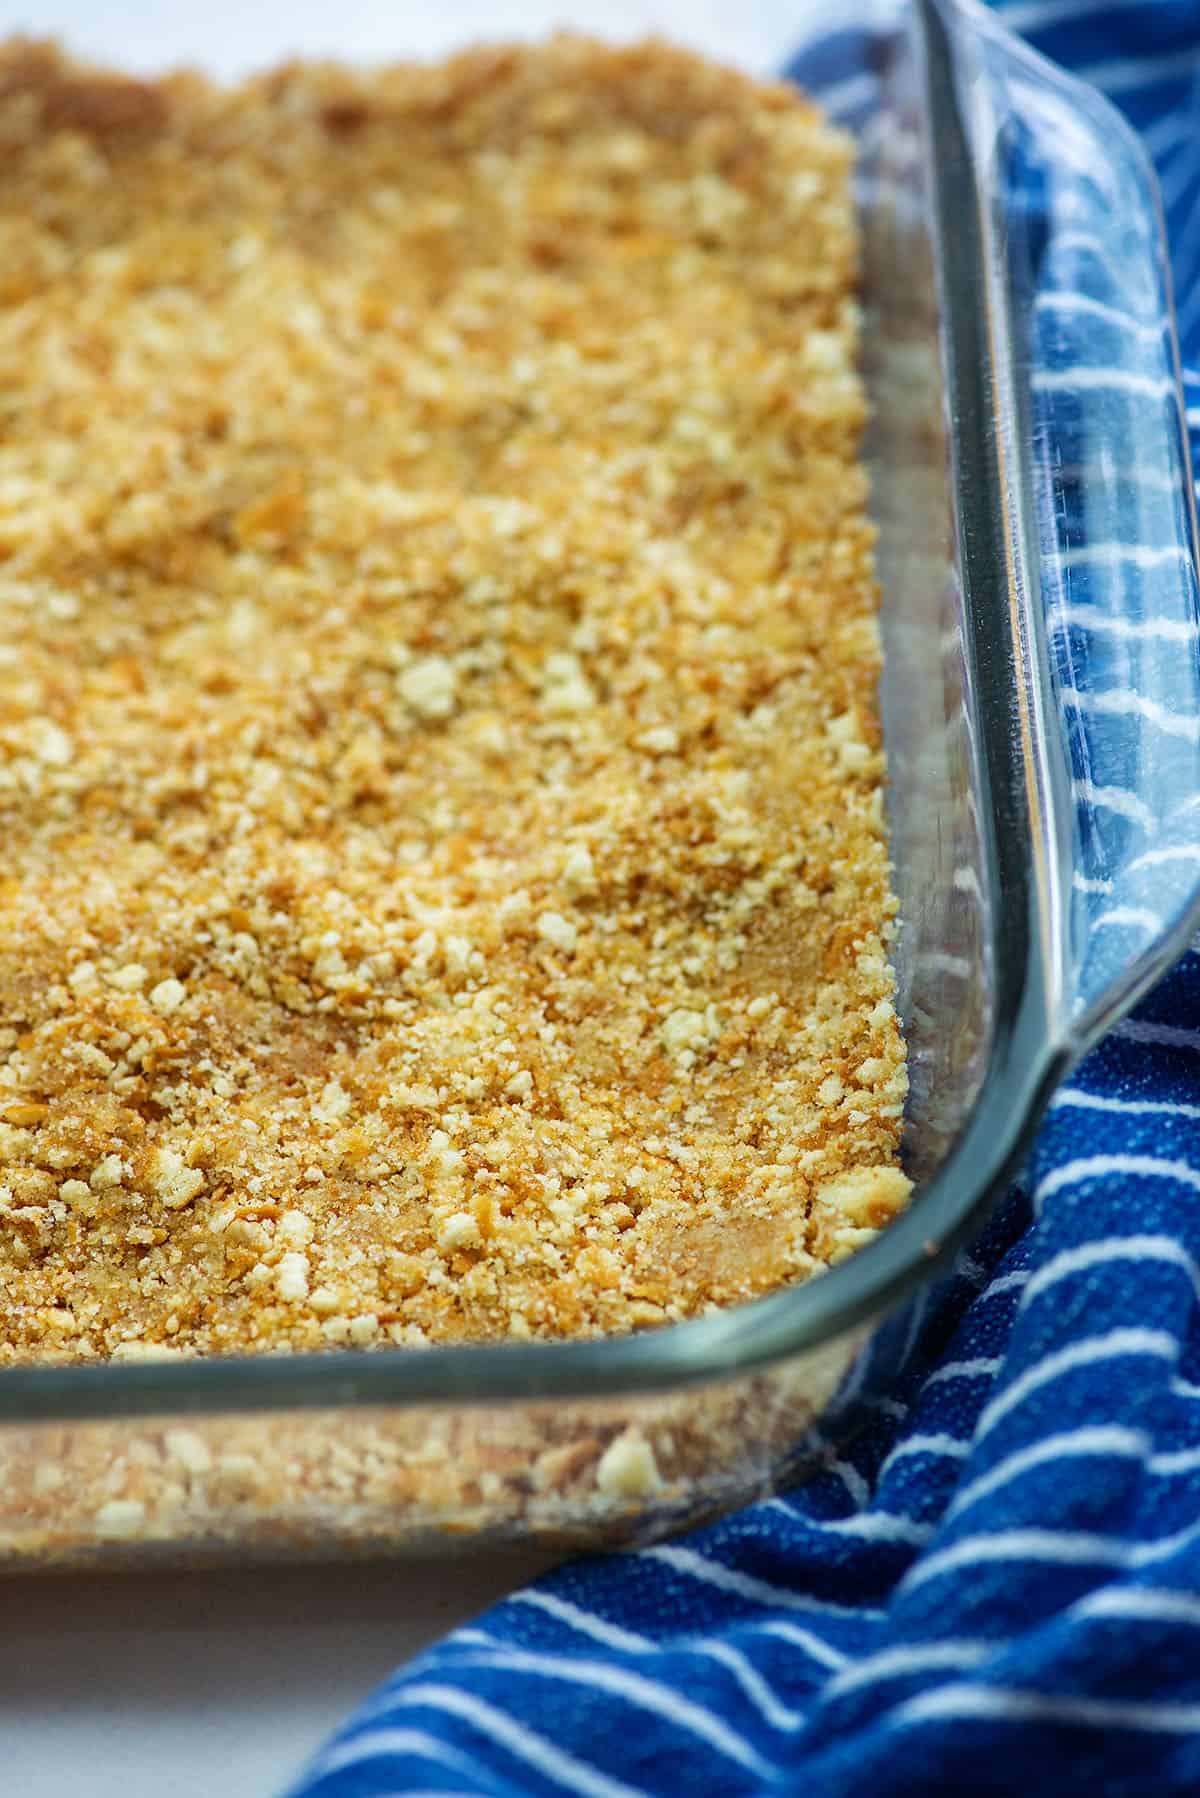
(445, 891)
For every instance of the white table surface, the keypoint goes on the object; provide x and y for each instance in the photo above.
(138, 1686)
(185, 1685)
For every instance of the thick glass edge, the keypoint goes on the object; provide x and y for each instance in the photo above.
(1027, 1056)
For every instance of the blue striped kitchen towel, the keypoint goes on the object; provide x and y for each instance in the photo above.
(998, 1588)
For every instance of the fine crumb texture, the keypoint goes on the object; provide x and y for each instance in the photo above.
(445, 891)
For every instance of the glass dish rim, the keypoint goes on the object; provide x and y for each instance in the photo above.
(1031, 1045)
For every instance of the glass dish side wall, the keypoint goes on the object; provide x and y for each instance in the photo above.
(941, 953)
(568, 1474)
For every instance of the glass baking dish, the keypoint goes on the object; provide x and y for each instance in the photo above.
(1041, 701)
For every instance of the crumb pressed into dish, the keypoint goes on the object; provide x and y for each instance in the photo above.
(445, 891)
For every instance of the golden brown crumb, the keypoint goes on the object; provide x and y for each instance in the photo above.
(445, 888)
